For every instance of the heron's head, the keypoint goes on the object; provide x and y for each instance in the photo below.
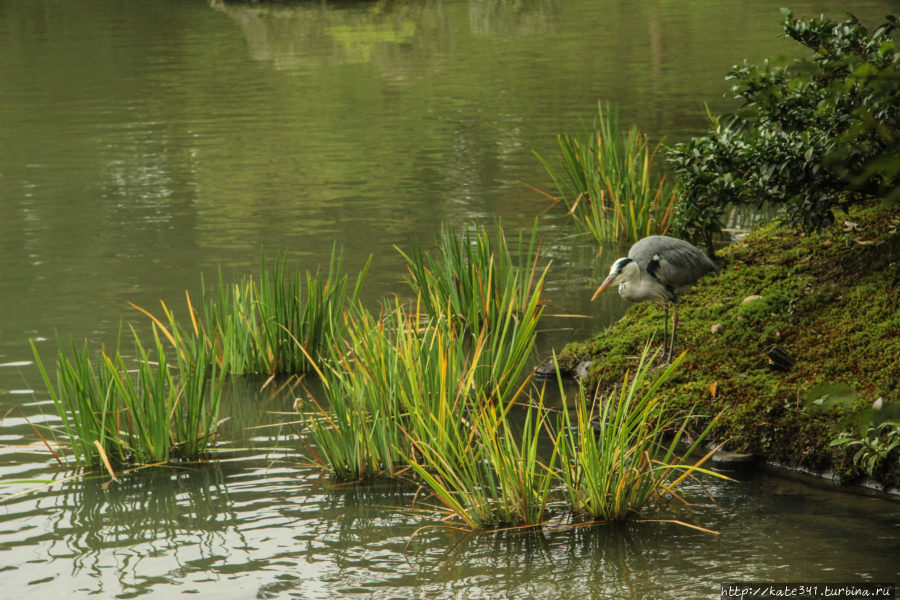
(621, 270)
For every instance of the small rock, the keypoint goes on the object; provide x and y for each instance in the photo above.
(581, 370)
(715, 327)
(732, 460)
(751, 298)
(546, 369)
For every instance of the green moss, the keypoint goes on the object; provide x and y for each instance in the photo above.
(829, 300)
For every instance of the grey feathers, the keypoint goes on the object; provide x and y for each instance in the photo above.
(674, 263)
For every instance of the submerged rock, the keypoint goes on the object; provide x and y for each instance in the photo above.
(733, 461)
(581, 369)
(547, 370)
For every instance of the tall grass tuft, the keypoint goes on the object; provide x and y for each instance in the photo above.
(358, 431)
(145, 409)
(411, 391)
(492, 475)
(229, 323)
(472, 278)
(427, 391)
(620, 453)
(277, 324)
(607, 182)
(301, 316)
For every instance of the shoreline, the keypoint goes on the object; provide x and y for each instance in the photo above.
(825, 303)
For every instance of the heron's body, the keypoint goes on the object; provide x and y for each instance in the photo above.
(660, 269)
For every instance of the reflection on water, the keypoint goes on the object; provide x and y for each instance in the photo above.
(153, 513)
(521, 18)
(267, 526)
(305, 35)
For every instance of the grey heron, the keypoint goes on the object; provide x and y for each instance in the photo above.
(661, 269)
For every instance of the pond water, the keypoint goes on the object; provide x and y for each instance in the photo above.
(144, 144)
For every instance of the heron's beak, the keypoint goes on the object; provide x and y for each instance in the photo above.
(606, 283)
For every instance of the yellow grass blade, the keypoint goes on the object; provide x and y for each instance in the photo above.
(105, 460)
(677, 522)
(38, 433)
(159, 323)
(687, 472)
(191, 311)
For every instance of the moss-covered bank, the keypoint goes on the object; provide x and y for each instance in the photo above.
(830, 300)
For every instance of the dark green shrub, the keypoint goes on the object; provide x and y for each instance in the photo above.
(814, 135)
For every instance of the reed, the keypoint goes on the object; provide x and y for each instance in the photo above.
(490, 475)
(277, 324)
(472, 278)
(146, 409)
(358, 432)
(430, 388)
(229, 323)
(301, 316)
(411, 391)
(620, 453)
(607, 182)
(397, 376)
(504, 349)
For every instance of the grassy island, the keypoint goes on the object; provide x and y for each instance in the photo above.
(796, 339)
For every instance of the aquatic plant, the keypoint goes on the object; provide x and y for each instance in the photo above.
(505, 347)
(148, 409)
(404, 376)
(608, 183)
(492, 473)
(358, 431)
(277, 324)
(407, 390)
(619, 453)
(875, 446)
(300, 317)
(228, 321)
(474, 279)
(393, 375)
(396, 378)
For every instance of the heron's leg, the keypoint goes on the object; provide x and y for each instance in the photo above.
(665, 331)
(672, 341)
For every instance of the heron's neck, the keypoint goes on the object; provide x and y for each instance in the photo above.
(630, 273)
(638, 287)
(628, 280)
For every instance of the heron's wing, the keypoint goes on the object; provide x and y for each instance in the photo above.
(675, 263)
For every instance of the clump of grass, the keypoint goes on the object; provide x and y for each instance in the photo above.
(149, 409)
(402, 377)
(277, 324)
(607, 183)
(405, 377)
(358, 432)
(392, 376)
(229, 323)
(431, 393)
(300, 317)
(492, 476)
(472, 278)
(620, 453)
